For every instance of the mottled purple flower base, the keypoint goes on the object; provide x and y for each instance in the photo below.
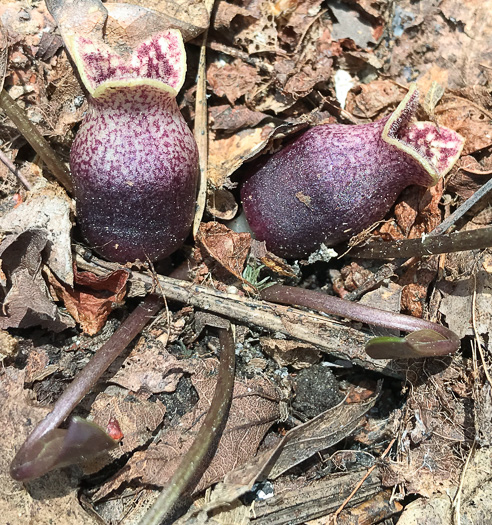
(334, 181)
(134, 163)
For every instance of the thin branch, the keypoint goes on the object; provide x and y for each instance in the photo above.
(10, 165)
(338, 338)
(359, 484)
(201, 126)
(207, 436)
(426, 339)
(427, 245)
(36, 140)
(466, 206)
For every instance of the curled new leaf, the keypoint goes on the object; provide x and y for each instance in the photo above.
(425, 340)
(422, 343)
(82, 441)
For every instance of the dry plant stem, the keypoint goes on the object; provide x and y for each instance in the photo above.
(357, 487)
(206, 437)
(91, 373)
(201, 133)
(428, 245)
(358, 312)
(14, 170)
(305, 326)
(36, 140)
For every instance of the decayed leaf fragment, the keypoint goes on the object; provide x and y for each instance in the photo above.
(137, 418)
(228, 248)
(128, 21)
(47, 207)
(151, 369)
(319, 433)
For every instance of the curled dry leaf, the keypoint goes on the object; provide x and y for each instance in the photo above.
(227, 118)
(47, 207)
(92, 298)
(468, 176)
(226, 155)
(228, 248)
(270, 260)
(373, 100)
(222, 204)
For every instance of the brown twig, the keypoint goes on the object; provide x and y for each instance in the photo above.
(428, 245)
(14, 170)
(36, 140)
(359, 484)
(338, 338)
(201, 126)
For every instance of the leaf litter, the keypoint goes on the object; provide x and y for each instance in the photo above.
(271, 72)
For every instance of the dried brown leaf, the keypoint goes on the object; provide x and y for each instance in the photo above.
(254, 408)
(270, 260)
(319, 433)
(27, 301)
(222, 204)
(47, 207)
(370, 101)
(92, 298)
(227, 154)
(227, 118)
(151, 369)
(457, 301)
(137, 418)
(228, 248)
(461, 112)
(469, 175)
(232, 80)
